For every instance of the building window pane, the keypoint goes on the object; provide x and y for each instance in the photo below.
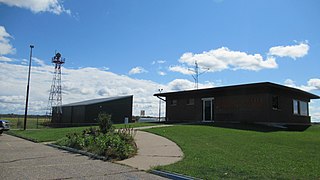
(173, 102)
(190, 101)
(303, 108)
(295, 107)
(300, 108)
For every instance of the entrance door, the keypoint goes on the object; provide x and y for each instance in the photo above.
(208, 109)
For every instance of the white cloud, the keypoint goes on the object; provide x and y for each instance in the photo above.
(37, 6)
(5, 59)
(223, 58)
(161, 73)
(312, 84)
(38, 61)
(5, 46)
(161, 62)
(77, 85)
(315, 83)
(181, 69)
(158, 62)
(137, 70)
(184, 84)
(289, 82)
(294, 51)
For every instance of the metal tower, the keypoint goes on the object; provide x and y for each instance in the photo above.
(55, 97)
(197, 73)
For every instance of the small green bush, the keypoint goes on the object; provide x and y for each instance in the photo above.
(105, 123)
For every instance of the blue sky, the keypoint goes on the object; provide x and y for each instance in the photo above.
(155, 42)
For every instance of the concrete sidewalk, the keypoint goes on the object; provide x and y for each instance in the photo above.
(153, 150)
(22, 159)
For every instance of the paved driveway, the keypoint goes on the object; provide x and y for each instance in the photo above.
(21, 159)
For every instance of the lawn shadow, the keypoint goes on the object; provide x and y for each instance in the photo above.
(253, 127)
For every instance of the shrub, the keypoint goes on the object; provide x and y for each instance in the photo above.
(113, 144)
(105, 123)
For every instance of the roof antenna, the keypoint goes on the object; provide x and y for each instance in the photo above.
(197, 73)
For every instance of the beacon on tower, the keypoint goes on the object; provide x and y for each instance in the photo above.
(54, 109)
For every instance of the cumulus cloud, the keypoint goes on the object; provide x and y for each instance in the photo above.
(224, 58)
(158, 62)
(184, 84)
(77, 85)
(38, 61)
(294, 51)
(37, 6)
(161, 73)
(161, 61)
(5, 46)
(315, 83)
(137, 70)
(312, 84)
(181, 69)
(5, 59)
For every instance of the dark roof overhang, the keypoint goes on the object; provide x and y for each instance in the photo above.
(263, 86)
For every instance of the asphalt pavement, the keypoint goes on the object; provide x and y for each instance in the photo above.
(22, 159)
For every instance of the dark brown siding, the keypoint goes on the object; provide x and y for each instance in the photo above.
(119, 109)
(241, 108)
(285, 112)
(87, 114)
(253, 103)
(78, 114)
(67, 114)
(182, 111)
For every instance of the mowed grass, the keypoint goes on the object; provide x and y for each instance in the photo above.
(222, 153)
(53, 134)
(32, 123)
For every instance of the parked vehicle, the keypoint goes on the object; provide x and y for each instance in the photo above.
(4, 125)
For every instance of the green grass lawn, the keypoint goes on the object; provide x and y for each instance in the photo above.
(32, 123)
(53, 134)
(222, 153)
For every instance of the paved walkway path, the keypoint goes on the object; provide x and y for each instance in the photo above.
(153, 150)
(22, 159)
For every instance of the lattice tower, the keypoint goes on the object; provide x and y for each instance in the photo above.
(54, 108)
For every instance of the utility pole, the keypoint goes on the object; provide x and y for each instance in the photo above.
(160, 90)
(27, 96)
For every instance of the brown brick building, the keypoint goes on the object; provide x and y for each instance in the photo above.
(249, 103)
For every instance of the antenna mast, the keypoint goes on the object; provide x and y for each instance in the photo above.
(197, 74)
(55, 97)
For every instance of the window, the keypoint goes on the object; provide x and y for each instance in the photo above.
(275, 102)
(173, 102)
(300, 108)
(303, 108)
(295, 107)
(190, 101)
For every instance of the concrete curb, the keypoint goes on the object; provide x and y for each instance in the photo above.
(85, 153)
(173, 176)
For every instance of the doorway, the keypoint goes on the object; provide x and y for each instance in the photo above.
(208, 109)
